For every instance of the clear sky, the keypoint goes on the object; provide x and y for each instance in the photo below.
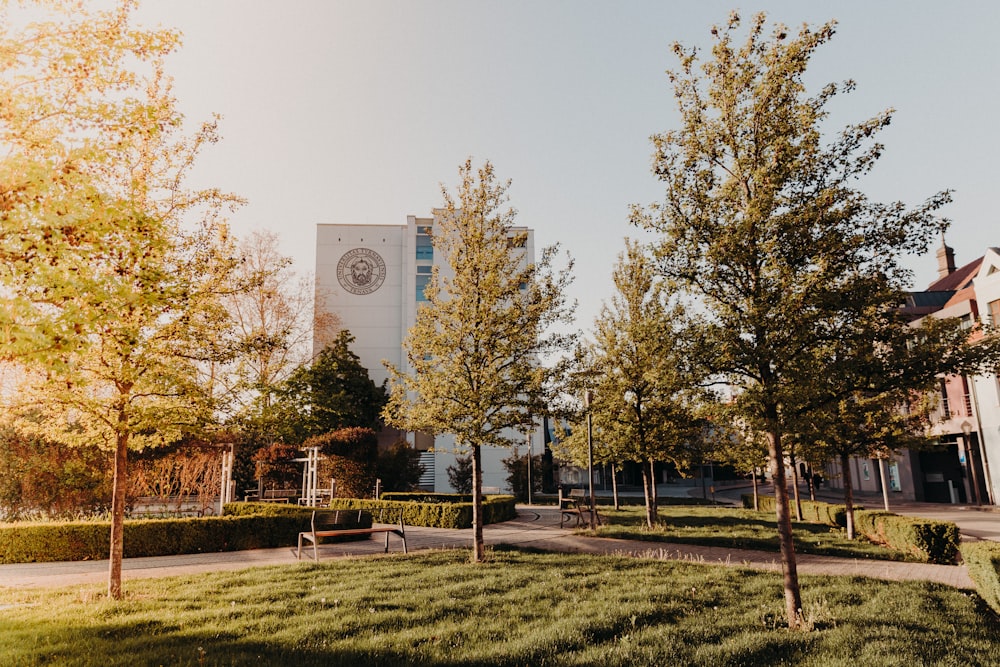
(356, 112)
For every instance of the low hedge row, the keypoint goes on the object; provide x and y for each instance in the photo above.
(427, 497)
(813, 511)
(242, 526)
(457, 515)
(929, 540)
(90, 540)
(982, 559)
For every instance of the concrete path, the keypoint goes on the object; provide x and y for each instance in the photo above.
(535, 527)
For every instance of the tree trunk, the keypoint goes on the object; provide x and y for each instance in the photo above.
(795, 487)
(812, 484)
(885, 485)
(652, 490)
(848, 494)
(614, 486)
(118, 515)
(478, 546)
(790, 575)
(648, 494)
(756, 494)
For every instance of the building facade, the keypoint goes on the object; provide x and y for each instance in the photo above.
(373, 278)
(957, 469)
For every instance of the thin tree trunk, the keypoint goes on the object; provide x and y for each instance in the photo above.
(848, 495)
(652, 490)
(648, 495)
(478, 546)
(790, 575)
(614, 485)
(812, 484)
(756, 493)
(795, 486)
(885, 485)
(118, 514)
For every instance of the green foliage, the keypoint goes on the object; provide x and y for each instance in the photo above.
(332, 393)
(763, 226)
(812, 510)
(982, 559)
(460, 474)
(399, 467)
(476, 343)
(349, 458)
(455, 515)
(517, 608)
(931, 541)
(517, 475)
(41, 478)
(275, 465)
(90, 540)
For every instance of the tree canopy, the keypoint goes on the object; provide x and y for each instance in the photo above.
(112, 266)
(474, 355)
(763, 225)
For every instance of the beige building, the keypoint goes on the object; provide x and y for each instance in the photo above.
(373, 277)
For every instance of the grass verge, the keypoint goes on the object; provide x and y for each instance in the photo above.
(519, 608)
(738, 529)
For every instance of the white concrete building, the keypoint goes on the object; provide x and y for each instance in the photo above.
(373, 278)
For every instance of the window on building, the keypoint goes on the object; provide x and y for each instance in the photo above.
(994, 310)
(944, 400)
(424, 248)
(422, 281)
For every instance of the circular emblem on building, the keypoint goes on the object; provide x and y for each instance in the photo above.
(361, 271)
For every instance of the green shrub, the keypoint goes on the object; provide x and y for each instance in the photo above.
(982, 559)
(931, 541)
(90, 540)
(457, 515)
(813, 511)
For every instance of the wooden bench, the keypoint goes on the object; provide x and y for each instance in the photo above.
(331, 524)
(575, 507)
(271, 495)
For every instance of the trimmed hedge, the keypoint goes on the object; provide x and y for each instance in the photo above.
(90, 540)
(982, 559)
(931, 541)
(457, 515)
(242, 526)
(813, 511)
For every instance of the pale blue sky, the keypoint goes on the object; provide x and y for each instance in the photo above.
(354, 112)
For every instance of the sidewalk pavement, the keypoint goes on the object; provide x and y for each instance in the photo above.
(535, 527)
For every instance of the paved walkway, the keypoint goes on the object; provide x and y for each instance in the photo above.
(535, 527)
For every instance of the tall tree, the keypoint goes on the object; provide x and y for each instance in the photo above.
(644, 392)
(113, 291)
(477, 347)
(331, 393)
(763, 225)
(273, 310)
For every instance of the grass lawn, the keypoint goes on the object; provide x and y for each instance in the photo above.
(737, 528)
(519, 608)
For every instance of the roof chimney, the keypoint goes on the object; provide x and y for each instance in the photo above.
(946, 259)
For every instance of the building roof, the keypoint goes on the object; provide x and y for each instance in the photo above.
(957, 279)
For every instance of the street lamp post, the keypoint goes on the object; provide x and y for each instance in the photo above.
(527, 433)
(588, 397)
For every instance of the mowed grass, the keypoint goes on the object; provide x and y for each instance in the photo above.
(737, 528)
(519, 608)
